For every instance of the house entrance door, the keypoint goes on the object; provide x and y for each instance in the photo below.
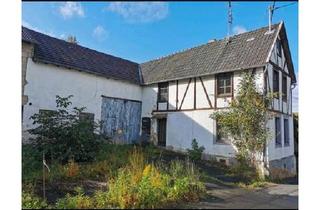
(162, 131)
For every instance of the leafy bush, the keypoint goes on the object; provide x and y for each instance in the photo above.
(31, 163)
(79, 201)
(63, 134)
(186, 177)
(30, 201)
(141, 185)
(244, 170)
(196, 152)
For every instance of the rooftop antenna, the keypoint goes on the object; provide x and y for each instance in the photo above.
(229, 19)
(271, 10)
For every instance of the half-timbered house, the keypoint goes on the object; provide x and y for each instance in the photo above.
(168, 100)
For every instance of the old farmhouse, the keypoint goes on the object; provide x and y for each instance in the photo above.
(167, 100)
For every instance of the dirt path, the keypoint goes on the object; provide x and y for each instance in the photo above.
(280, 196)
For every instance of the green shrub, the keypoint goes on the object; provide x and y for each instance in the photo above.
(30, 201)
(244, 170)
(79, 201)
(186, 179)
(31, 163)
(196, 152)
(141, 185)
(64, 134)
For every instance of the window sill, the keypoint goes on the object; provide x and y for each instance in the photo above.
(162, 102)
(287, 145)
(222, 143)
(224, 96)
(278, 145)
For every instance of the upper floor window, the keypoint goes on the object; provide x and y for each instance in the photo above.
(286, 132)
(224, 85)
(163, 92)
(275, 81)
(279, 51)
(284, 88)
(278, 131)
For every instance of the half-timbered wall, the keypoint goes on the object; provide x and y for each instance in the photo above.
(190, 104)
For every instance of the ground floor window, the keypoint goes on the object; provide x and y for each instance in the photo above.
(220, 136)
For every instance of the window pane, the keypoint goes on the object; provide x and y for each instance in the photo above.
(221, 90)
(284, 88)
(286, 132)
(224, 84)
(228, 81)
(275, 81)
(220, 83)
(278, 131)
(163, 92)
(220, 137)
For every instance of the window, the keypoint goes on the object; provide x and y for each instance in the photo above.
(47, 112)
(224, 86)
(163, 92)
(146, 125)
(275, 81)
(286, 132)
(279, 53)
(87, 117)
(284, 88)
(220, 137)
(278, 131)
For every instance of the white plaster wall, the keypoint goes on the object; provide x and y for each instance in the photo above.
(182, 127)
(279, 152)
(46, 81)
(209, 85)
(172, 95)
(149, 98)
(188, 100)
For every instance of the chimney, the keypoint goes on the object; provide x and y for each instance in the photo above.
(212, 40)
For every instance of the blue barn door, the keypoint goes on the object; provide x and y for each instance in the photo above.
(121, 114)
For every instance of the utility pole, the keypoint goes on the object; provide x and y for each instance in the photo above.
(271, 9)
(229, 19)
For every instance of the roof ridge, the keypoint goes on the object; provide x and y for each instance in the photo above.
(78, 45)
(207, 43)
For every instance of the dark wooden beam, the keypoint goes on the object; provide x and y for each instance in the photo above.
(195, 93)
(185, 93)
(279, 68)
(205, 91)
(177, 94)
(215, 91)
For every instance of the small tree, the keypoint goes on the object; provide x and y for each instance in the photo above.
(63, 134)
(196, 152)
(245, 121)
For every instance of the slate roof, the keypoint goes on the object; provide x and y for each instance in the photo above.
(215, 57)
(243, 51)
(59, 52)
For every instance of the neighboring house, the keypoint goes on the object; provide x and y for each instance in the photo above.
(167, 100)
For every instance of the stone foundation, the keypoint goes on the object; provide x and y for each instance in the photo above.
(286, 163)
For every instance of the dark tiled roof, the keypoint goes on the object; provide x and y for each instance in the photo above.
(246, 50)
(65, 54)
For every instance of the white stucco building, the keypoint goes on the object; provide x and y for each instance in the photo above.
(167, 101)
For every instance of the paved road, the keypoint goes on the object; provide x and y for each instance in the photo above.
(278, 196)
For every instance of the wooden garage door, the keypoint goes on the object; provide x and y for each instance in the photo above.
(121, 114)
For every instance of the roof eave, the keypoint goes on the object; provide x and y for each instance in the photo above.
(208, 74)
